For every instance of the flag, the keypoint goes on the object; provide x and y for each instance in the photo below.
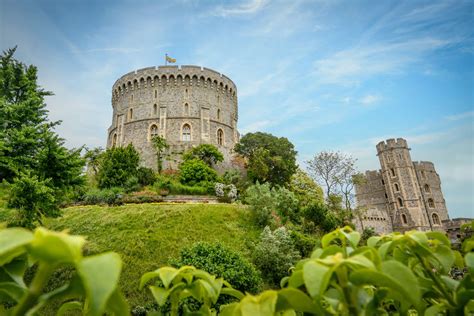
(170, 60)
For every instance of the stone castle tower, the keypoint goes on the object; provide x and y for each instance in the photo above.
(187, 105)
(403, 195)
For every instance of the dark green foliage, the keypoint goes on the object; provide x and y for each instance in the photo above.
(34, 198)
(304, 243)
(110, 196)
(160, 145)
(320, 215)
(305, 189)
(275, 254)
(195, 171)
(222, 262)
(117, 166)
(366, 234)
(93, 157)
(170, 186)
(28, 144)
(205, 152)
(146, 176)
(270, 159)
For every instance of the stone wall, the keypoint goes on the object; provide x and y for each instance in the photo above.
(164, 101)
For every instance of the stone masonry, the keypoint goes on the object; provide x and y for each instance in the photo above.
(403, 195)
(187, 105)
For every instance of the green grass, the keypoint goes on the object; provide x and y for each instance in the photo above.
(148, 235)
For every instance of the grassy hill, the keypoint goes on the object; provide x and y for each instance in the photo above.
(148, 235)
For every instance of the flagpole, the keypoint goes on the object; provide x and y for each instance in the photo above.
(166, 59)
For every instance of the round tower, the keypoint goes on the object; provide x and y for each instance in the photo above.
(401, 185)
(187, 105)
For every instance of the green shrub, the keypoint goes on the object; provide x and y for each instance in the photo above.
(132, 184)
(33, 198)
(205, 152)
(146, 176)
(112, 196)
(275, 254)
(117, 165)
(171, 186)
(222, 262)
(195, 171)
(304, 243)
(321, 217)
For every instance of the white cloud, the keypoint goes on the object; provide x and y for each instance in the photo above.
(249, 7)
(370, 99)
(460, 116)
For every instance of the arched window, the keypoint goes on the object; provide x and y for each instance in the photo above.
(435, 218)
(130, 114)
(393, 172)
(397, 189)
(427, 188)
(114, 140)
(404, 219)
(431, 203)
(153, 131)
(400, 202)
(155, 109)
(186, 109)
(220, 137)
(218, 114)
(186, 133)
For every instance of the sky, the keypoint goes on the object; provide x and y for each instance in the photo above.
(326, 74)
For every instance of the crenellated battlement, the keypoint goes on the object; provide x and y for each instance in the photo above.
(174, 75)
(391, 144)
(424, 165)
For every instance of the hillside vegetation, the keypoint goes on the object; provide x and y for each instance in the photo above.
(147, 235)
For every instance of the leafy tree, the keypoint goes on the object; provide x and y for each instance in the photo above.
(205, 152)
(117, 166)
(160, 145)
(34, 198)
(195, 171)
(321, 216)
(93, 157)
(335, 172)
(305, 189)
(270, 159)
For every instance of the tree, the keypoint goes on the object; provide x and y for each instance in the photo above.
(269, 158)
(160, 145)
(117, 166)
(196, 171)
(334, 171)
(93, 157)
(306, 190)
(205, 152)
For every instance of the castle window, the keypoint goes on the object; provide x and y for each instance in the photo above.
(155, 109)
(220, 137)
(186, 109)
(153, 131)
(423, 175)
(392, 172)
(386, 196)
(400, 156)
(130, 114)
(397, 189)
(186, 133)
(131, 98)
(427, 188)
(218, 114)
(156, 94)
(404, 219)
(435, 218)
(400, 202)
(114, 140)
(431, 203)
(383, 182)
(389, 158)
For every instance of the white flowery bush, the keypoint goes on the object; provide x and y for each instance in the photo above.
(226, 193)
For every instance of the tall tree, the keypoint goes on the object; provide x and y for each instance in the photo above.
(269, 158)
(93, 157)
(334, 171)
(160, 145)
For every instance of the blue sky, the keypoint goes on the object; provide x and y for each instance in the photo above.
(329, 75)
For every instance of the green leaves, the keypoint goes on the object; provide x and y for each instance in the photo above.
(95, 287)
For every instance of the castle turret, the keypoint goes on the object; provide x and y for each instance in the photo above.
(401, 185)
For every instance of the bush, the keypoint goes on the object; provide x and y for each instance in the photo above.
(195, 171)
(146, 176)
(166, 186)
(33, 198)
(205, 152)
(304, 243)
(117, 165)
(131, 185)
(265, 201)
(222, 262)
(275, 254)
(112, 196)
(321, 217)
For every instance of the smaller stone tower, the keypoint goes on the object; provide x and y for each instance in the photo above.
(403, 195)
